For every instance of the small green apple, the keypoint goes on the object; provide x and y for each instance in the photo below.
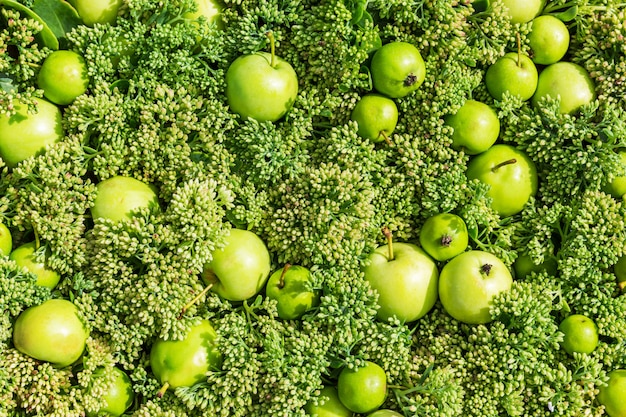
(612, 395)
(6, 240)
(619, 269)
(376, 116)
(524, 266)
(580, 334)
(469, 282)
(51, 331)
(119, 395)
(63, 77)
(617, 187)
(185, 362)
(567, 81)
(515, 73)
(25, 135)
(211, 10)
(330, 407)
(291, 288)
(522, 11)
(362, 389)
(476, 127)
(510, 174)
(240, 269)
(25, 256)
(405, 278)
(397, 69)
(548, 39)
(118, 197)
(443, 236)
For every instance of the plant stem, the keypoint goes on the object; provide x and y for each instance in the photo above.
(194, 301)
(270, 35)
(504, 163)
(389, 237)
(281, 282)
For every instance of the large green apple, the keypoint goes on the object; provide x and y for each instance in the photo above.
(51, 331)
(476, 127)
(94, 12)
(25, 256)
(118, 197)
(63, 77)
(241, 268)
(25, 135)
(330, 407)
(514, 73)
(118, 397)
(405, 278)
(510, 174)
(185, 362)
(568, 81)
(397, 69)
(468, 283)
(262, 86)
(548, 39)
(292, 289)
(612, 395)
(522, 11)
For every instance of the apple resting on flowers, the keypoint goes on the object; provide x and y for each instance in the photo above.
(568, 82)
(26, 257)
(240, 269)
(117, 198)
(405, 278)
(476, 127)
(291, 287)
(262, 85)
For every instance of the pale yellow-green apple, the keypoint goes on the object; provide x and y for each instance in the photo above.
(27, 256)
(291, 287)
(119, 197)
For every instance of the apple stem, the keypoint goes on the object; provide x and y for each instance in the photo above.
(281, 282)
(622, 285)
(37, 241)
(504, 163)
(164, 388)
(389, 237)
(194, 301)
(270, 35)
(519, 49)
(386, 137)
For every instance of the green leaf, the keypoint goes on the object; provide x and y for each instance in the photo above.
(568, 15)
(46, 37)
(6, 83)
(59, 15)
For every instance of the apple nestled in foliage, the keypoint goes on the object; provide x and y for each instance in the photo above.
(119, 197)
(292, 288)
(51, 331)
(397, 69)
(30, 257)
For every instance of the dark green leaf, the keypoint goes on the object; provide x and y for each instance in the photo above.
(568, 15)
(59, 15)
(46, 37)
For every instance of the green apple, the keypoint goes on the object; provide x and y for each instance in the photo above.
(385, 413)
(514, 73)
(397, 69)
(119, 197)
(567, 81)
(405, 278)
(617, 187)
(241, 268)
(6, 240)
(619, 269)
(63, 77)
(476, 127)
(94, 12)
(580, 334)
(376, 116)
(443, 236)
(211, 10)
(510, 174)
(612, 395)
(522, 11)
(262, 85)
(185, 362)
(364, 389)
(331, 406)
(26, 257)
(24, 135)
(524, 266)
(51, 331)
(548, 39)
(469, 282)
(119, 395)
(292, 289)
